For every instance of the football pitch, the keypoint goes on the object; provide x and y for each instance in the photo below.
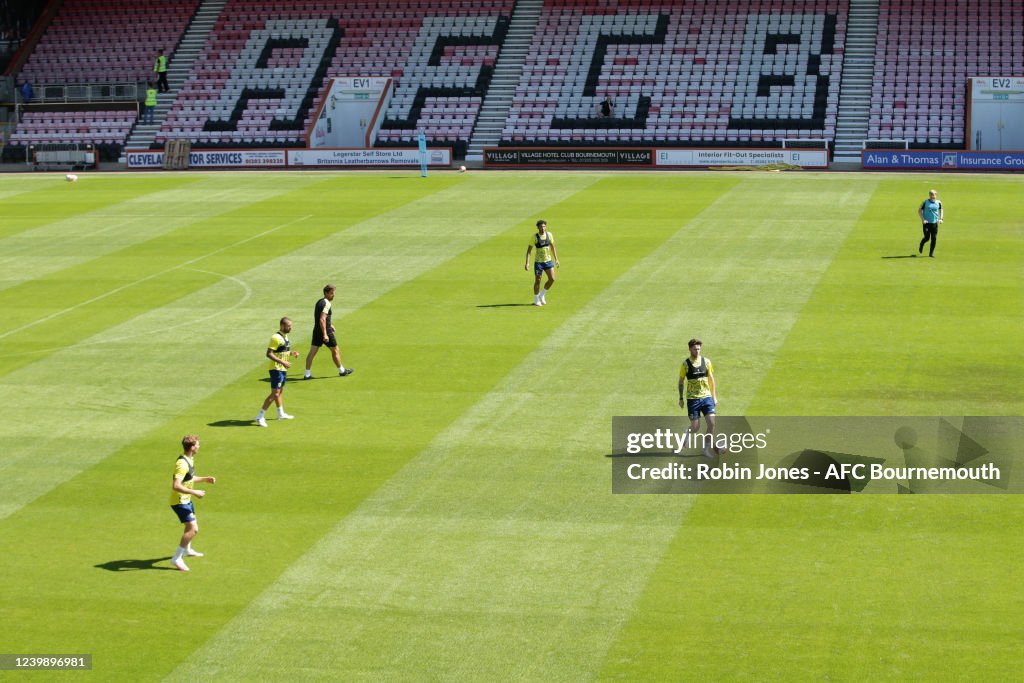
(445, 513)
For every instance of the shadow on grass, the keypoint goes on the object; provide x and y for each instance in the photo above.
(231, 423)
(904, 256)
(295, 378)
(136, 565)
(500, 305)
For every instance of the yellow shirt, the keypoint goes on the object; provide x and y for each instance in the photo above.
(698, 386)
(184, 470)
(543, 253)
(280, 345)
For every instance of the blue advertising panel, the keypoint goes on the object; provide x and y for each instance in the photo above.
(942, 160)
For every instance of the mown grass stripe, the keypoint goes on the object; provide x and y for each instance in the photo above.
(374, 267)
(501, 513)
(30, 203)
(858, 585)
(417, 248)
(222, 242)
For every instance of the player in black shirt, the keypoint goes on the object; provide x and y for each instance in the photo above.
(323, 334)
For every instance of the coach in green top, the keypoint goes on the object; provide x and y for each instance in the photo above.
(160, 69)
(150, 105)
(930, 213)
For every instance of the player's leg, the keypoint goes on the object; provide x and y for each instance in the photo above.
(934, 237)
(924, 240)
(277, 379)
(187, 515)
(279, 399)
(260, 418)
(313, 348)
(709, 418)
(336, 355)
(537, 272)
(693, 413)
(550, 272)
(189, 552)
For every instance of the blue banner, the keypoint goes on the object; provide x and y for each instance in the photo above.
(943, 160)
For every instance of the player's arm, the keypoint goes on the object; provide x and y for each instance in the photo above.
(920, 213)
(178, 487)
(529, 250)
(277, 359)
(323, 324)
(711, 383)
(554, 252)
(682, 391)
(942, 212)
(205, 480)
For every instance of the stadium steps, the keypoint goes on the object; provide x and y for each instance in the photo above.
(178, 69)
(507, 72)
(858, 78)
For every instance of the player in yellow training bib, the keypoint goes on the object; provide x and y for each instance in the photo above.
(697, 391)
(279, 350)
(544, 261)
(181, 498)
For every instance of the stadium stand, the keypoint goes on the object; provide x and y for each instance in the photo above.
(93, 41)
(926, 51)
(741, 72)
(97, 127)
(264, 68)
(681, 72)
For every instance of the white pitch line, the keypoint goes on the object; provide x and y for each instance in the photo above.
(57, 314)
(187, 323)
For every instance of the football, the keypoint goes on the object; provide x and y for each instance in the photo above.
(462, 169)
(71, 177)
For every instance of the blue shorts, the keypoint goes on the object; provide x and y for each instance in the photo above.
(186, 513)
(540, 266)
(278, 378)
(695, 407)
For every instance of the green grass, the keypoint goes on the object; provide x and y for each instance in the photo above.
(445, 513)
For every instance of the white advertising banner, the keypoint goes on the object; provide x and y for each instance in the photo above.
(211, 158)
(368, 157)
(807, 158)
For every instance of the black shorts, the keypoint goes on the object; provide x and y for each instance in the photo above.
(318, 339)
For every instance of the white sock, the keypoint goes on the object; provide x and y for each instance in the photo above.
(536, 297)
(308, 373)
(543, 294)
(341, 369)
(259, 415)
(280, 411)
(179, 553)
